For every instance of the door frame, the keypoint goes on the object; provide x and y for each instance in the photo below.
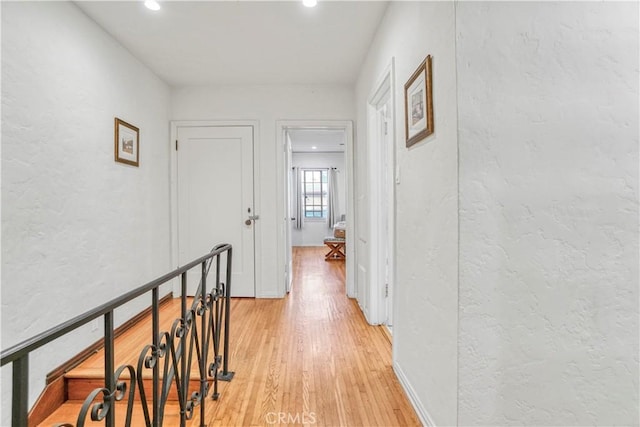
(379, 147)
(173, 192)
(347, 127)
(289, 178)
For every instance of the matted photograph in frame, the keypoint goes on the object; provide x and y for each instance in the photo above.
(127, 143)
(418, 103)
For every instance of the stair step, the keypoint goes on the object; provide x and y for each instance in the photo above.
(80, 388)
(68, 413)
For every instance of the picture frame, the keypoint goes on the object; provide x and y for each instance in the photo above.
(418, 103)
(127, 143)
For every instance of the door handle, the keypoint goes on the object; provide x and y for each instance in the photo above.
(251, 218)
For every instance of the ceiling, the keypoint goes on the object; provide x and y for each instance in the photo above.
(325, 140)
(190, 43)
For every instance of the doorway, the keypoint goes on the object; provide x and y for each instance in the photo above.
(299, 159)
(378, 293)
(214, 198)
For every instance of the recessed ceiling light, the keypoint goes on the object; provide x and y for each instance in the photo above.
(310, 3)
(152, 4)
(314, 148)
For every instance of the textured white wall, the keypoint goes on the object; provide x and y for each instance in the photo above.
(77, 228)
(426, 298)
(266, 104)
(548, 134)
(314, 232)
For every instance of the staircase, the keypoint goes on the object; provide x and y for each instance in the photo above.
(160, 371)
(80, 381)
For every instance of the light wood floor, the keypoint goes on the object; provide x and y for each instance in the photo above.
(310, 359)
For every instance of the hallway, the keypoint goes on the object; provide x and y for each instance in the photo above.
(514, 244)
(317, 356)
(309, 359)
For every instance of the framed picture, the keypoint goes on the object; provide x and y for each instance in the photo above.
(127, 143)
(418, 104)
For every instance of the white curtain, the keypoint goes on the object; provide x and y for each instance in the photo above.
(298, 205)
(332, 204)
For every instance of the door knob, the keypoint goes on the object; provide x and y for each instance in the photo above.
(251, 218)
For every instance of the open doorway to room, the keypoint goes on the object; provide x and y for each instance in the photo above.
(376, 256)
(317, 196)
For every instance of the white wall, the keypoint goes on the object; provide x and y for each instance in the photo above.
(266, 104)
(314, 232)
(425, 328)
(548, 115)
(77, 228)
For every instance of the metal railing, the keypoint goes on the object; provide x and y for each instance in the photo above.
(175, 350)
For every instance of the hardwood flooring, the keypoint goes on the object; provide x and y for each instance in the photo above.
(309, 358)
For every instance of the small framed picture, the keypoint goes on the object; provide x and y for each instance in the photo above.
(418, 104)
(127, 143)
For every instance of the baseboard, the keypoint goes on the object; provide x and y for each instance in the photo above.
(96, 346)
(266, 296)
(425, 419)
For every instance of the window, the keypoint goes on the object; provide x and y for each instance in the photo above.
(314, 192)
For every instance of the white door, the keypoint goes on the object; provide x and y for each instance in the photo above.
(215, 200)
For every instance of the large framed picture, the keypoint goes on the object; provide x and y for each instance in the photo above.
(127, 143)
(418, 104)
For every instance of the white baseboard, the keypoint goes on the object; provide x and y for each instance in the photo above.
(425, 419)
(269, 296)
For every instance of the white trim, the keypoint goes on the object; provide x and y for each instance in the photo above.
(383, 92)
(347, 126)
(290, 177)
(424, 416)
(173, 198)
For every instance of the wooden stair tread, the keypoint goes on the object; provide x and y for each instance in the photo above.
(89, 375)
(68, 413)
(128, 346)
(92, 373)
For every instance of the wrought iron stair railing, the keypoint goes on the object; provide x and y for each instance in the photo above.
(195, 336)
